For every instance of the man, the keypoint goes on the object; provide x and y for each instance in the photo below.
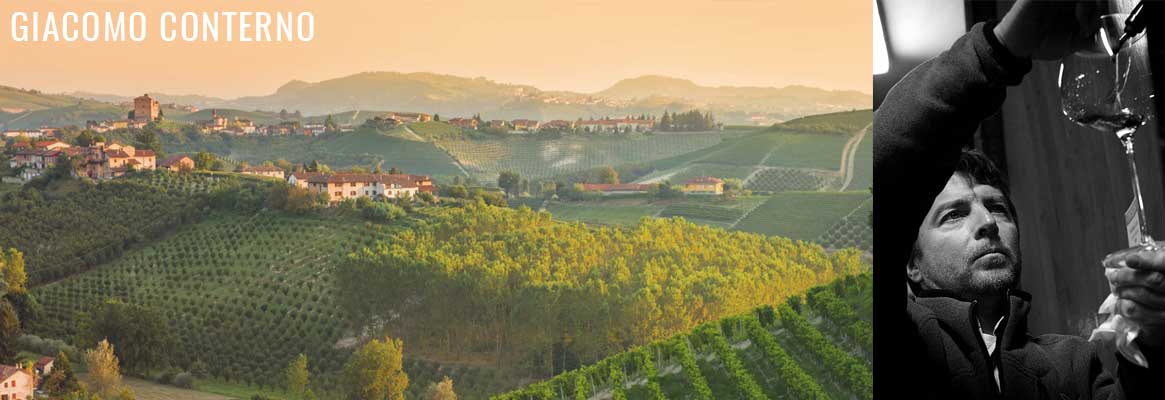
(945, 215)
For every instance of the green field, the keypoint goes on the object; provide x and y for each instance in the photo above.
(716, 170)
(780, 352)
(801, 215)
(363, 148)
(71, 114)
(434, 130)
(542, 158)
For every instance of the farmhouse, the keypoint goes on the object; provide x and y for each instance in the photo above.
(44, 365)
(16, 383)
(264, 170)
(704, 185)
(342, 186)
(616, 188)
(464, 123)
(177, 163)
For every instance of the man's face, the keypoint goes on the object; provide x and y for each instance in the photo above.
(969, 243)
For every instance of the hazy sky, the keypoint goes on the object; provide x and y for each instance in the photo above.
(578, 45)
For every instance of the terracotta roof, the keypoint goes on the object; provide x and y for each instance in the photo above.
(263, 168)
(133, 162)
(73, 151)
(6, 371)
(47, 143)
(43, 361)
(173, 160)
(144, 153)
(616, 187)
(703, 180)
(116, 154)
(403, 180)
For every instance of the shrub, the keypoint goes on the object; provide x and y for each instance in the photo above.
(184, 380)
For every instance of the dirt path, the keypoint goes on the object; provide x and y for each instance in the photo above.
(413, 135)
(848, 157)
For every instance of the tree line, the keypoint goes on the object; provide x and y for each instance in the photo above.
(523, 289)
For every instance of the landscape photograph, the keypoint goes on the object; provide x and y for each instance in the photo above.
(585, 199)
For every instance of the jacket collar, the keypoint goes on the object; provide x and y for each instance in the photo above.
(950, 309)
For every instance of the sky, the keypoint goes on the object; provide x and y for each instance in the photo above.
(576, 45)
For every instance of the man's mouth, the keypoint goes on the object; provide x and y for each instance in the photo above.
(993, 257)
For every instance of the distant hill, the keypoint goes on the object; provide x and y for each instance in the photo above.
(802, 100)
(453, 96)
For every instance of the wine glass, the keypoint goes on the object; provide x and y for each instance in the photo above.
(1106, 88)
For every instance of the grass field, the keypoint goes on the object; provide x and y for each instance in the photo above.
(435, 130)
(801, 215)
(538, 158)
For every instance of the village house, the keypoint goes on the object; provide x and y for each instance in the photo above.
(556, 125)
(464, 123)
(114, 160)
(50, 145)
(177, 163)
(299, 179)
(497, 124)
(524, 125)
(28, 133)
(406, 117)
(44, 366)
(704, 185)
(16, 383)
(214, 124)
(314, 129)
(264, 170)
(616, 188)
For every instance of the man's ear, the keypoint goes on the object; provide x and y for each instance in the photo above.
(913, 273)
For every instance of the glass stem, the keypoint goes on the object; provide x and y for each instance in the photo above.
(1142, 226)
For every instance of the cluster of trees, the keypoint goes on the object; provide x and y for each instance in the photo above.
(513, 281)
(692, 120)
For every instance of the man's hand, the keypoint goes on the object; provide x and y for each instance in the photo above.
(1138, 282)
(1048, 30)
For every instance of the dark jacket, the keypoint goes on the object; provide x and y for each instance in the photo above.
(919, 132)
(948, 349)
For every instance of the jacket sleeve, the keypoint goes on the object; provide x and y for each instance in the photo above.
(922, 125)
(1133, 382)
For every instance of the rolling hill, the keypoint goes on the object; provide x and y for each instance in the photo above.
(816, 349)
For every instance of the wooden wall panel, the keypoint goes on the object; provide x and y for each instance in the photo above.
(1070, 187)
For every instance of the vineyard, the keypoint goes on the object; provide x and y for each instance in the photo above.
(863, 165)
(840, 122)
(716, 170)
(853, 230)
(801, 215)
(537, 158)
(791, 351)
(244, 294)
(434, 130)
(792, 180)
(363, 148)
(73, 226)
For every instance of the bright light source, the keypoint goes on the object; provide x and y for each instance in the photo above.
(881, 56)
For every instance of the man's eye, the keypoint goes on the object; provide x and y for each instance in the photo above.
(999, 209)
(951, 216)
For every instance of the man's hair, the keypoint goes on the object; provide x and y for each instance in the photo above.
(977, 166)
(981, 171)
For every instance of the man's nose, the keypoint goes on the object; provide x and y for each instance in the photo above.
(987, 226)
